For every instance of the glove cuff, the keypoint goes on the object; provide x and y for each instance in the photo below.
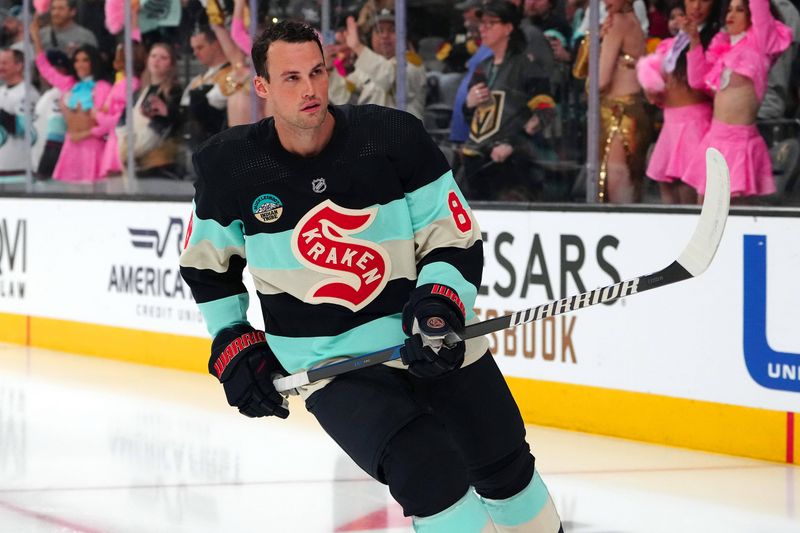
(436, 292)
(230, 345)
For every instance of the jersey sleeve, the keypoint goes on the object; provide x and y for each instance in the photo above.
(447, 239)
(213, 256)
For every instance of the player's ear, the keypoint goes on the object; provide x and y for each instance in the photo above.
(261, 87)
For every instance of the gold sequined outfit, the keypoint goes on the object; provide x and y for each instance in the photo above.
(627, 117)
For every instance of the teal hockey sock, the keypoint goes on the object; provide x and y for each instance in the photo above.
(467, 515)
(529, 511)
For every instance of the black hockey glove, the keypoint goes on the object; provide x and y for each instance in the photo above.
(431, 312)
(244, 364)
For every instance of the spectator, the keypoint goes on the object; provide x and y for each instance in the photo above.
(462, 44)
(374, 74)
(459, 127)
(659, 19)
(735, 68)
(639, 9)
(203, 101)
(624, 121)
(11, 33)
(108, 115)
(502, 100)
(778, 98)
(156, 116)
(13, 154)
(369, 11)
(82, 92)
(63, 32)
(545, 15)
(48, 121)
(236, 46)
(687, 111)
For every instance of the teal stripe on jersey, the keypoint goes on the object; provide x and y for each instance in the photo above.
(447, 274)
(520, 508)
(467, 515)
(429, 203)
(391, 223)
(223, 313)
(301, 353)
(206, 229)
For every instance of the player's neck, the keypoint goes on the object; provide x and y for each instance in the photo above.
(305, 142)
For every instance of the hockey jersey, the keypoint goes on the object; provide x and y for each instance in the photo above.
(334, 242)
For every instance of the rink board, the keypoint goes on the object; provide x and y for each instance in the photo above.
(711, 363)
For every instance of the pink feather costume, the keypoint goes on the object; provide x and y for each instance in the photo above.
(107, 118)
(79, 161)
(742, 145)
(684, 126)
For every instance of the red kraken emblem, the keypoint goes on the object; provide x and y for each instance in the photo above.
(359, 269)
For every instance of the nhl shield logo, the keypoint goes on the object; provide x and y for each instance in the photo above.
(319, 185)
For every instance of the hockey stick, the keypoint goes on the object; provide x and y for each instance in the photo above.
(692, 262)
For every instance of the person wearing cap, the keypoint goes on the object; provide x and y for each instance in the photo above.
(508, 104)
(374, 74)
(13, 156)
(456, 51)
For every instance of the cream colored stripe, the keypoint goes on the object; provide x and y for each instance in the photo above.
(205, 255)
(443, 233)
(297, 282)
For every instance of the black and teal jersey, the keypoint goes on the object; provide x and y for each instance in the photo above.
(334, 242)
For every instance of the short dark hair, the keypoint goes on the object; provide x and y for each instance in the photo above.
(206, 31)
(289, 31)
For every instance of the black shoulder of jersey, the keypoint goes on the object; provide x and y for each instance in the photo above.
(382, 126)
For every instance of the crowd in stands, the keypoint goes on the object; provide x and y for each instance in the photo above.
(501, 85)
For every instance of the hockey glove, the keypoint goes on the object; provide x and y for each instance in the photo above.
(244, 364)
(432, 311)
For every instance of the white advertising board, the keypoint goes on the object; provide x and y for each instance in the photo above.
(102, 262)
(729, 336)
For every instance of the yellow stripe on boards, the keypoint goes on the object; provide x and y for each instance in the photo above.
(135, 346)
(709, 426)
(13, 328)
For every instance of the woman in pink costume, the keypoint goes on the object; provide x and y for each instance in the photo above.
(82, 151)
(687, 111)
(108, 115)
(734, 69)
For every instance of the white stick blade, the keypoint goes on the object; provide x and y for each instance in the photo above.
(291, 382)
(707, 235)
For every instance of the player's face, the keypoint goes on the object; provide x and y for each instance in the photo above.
(737, 19)
(298, 84)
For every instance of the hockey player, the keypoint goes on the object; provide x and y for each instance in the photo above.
(358, 238)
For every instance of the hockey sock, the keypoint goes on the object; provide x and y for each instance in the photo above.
(529, 511)
(467, 515)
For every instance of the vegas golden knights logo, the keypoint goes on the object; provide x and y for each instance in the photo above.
(486, 120)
